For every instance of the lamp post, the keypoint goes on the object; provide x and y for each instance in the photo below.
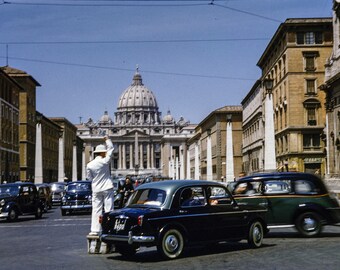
(269, 134)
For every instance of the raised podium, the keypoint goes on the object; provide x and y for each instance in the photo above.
(95, 246)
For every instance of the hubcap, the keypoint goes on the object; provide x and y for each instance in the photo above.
(257, 234)
(171, 243)
(309, 224)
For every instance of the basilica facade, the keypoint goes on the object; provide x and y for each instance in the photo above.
(145, 143)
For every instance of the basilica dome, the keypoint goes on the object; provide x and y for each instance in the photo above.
(137, 95)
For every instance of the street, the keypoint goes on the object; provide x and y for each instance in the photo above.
(56, 242)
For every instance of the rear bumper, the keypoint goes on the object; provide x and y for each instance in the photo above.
(130, 239)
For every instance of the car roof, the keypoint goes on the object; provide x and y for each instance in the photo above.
(278, 175)
(79, 182)
(19, 184)
(176, 184)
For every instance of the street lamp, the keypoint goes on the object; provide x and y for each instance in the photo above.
(229, 116)
(268, 85)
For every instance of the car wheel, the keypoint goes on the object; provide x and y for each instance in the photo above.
(171, 244)
(126, 250)
(309, 224)
(255, 234)
(63, 212)
(12, 214)
(38, 213)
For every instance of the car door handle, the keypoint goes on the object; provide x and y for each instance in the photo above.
(263, 204)
(183, 211)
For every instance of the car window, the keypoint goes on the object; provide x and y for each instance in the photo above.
(155, 197)
(9, 190)
(78, 187)
(218, 196)
(277, 187)
(247, 188)
(192, 197)
(305, 187)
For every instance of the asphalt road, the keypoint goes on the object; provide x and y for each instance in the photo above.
(56, 242)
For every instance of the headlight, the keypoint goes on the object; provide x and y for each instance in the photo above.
(63, 199)
(89, 198)
(2, 202)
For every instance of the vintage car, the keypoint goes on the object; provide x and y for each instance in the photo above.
(299, 200)
(77, 196)
(57, 191)
(174, 214)
(19, 199)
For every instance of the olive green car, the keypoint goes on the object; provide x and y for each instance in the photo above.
(299, 200)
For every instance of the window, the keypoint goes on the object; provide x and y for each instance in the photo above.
(193, 196)
(309, 38)
(310, 86)
(305, 187)
(311, 141)
(309, 63)
(311, 116)
(277, 187)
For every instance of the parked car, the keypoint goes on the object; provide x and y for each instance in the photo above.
(299, 200)
(45, 195)
(57, 191)
(77, 197)
(157, 215)
(19, 199)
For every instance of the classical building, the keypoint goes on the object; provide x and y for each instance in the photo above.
(9, 128)
(294, 61)
(331, 87)
(215, 150)
(138, 132)
(27, 120)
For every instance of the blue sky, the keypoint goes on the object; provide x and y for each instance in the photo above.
(195, 57)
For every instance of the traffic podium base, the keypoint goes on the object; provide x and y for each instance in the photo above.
(95, 246)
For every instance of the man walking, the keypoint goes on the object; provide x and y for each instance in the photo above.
(98, 171)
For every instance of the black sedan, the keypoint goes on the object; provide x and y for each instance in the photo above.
(77, 197)
(173, 214)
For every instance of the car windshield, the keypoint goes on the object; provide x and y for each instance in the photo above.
(78, 187)
(57, 187)
(9, 190)
(148, 197)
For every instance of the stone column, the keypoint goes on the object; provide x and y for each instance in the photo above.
(148, 155)
(131, 157)
(61, 172)
(269, 134)
(120, 161)
(152, 157)
(182, 163)
(74, 162)
(209, 157)
(177, 168)
(188, 176)
(230, 175)
(197, 162)
(136, 149)
(141, 156)
(38, 170)
(83, 163)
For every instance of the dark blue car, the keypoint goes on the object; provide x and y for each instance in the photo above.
(157, 214)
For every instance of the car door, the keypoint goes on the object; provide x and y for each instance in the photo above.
(194, 216)
(25, 199)
(229, 220)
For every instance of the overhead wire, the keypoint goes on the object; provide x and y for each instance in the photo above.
(124, 69)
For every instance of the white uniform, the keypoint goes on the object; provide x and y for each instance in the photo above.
(98, 171)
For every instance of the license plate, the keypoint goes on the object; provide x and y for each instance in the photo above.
(119, 224)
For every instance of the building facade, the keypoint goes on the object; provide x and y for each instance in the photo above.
(331, 87)
(9, 128)
(27, 120)
(215, 150)
(137, 131)
(294, 61)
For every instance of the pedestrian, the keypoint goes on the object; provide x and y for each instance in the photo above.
(98, 171)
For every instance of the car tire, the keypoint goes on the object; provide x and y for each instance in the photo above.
(12, 215)
(309, 224)
(255, 234)
(171, 244)
(38, 213)
(126, 250)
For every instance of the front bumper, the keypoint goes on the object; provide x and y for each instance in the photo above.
(77, 207)
(3, 215)
(130, 239)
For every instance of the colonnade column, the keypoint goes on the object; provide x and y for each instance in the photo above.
(131, 157)
(141, 163)
(181, 161)
(38, 169)
(209, 156)
(136, 149)
(120, 156)
(152, 156)
(188, 176)
(83, 163)
(148, 156)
